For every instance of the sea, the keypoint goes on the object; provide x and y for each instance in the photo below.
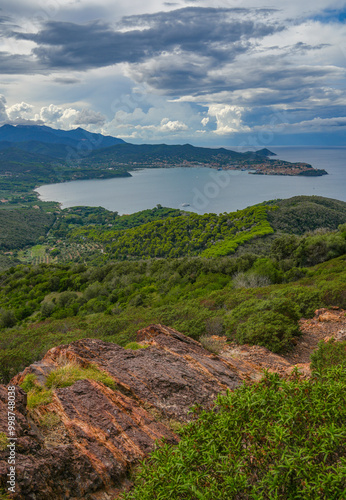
(205, 190)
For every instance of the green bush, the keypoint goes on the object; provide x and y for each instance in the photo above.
(277, 439)
(7, 318)
(269, 329)
(271, 322)
(328, 354)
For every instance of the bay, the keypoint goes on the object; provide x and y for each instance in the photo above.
(203, 189)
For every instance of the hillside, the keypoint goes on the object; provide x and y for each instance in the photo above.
(90, 411)
(79, 147)
(22, 135)
(186, 155)
(96, 386)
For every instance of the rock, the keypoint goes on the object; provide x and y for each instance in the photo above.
(101, 433)
(328, 316)
(340, 336)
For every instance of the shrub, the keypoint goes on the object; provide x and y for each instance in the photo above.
(277, 439)
(7, 318)
(328, 354)
(214, 326)
(250, 280)
(270, 329)
(271, 322)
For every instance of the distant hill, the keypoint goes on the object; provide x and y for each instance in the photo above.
(67, 144)
(172, 154)
(36, 138)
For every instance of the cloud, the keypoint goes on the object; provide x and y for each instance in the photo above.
(228, 119)
(218, 34)
(67, 118)
(20, 111)
(167, 125)
(3, 113)
(314, 125)
(66, 80)
(227, 71)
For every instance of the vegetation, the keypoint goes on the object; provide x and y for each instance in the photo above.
(135, 346)
(214, 345)
(328, 354)
(70, 373)
(15, 230)
(255, 295)
(307, 213)
(49, 420)
(47, 305)
(64, 376)
(187, 234)
(274, 439)
(37, 394)
(3, 441)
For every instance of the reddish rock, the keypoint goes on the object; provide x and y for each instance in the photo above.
(101, 433)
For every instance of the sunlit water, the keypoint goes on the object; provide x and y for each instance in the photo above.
(204, 189)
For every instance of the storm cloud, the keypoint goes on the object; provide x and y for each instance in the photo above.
(216, 34)
(156, 71)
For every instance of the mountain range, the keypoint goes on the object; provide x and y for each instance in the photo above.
(81, 145)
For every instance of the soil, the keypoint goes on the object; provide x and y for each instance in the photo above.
(252, 360)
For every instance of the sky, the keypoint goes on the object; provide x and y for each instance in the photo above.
(210, 73)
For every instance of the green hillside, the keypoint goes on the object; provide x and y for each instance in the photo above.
(250, 275)
(23, 227)
(307, 213)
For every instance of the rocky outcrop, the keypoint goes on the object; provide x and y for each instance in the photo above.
(85, 441)
(97, 433)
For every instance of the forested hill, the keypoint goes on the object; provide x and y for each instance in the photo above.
(172, 154)
(95, 235)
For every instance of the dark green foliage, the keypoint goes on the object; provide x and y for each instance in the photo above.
(23, 227)
(277, 439)
(193, 295)
(271, 322)
(251, 298)
(328, 354)
(7, 318)
(307, 213)
(163, 154)
(175, 235)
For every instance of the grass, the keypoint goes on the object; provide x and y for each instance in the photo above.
(3, 441)
(50, 420)
(135, 346)
(63, 376)
(38, 396)
(70, 373)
